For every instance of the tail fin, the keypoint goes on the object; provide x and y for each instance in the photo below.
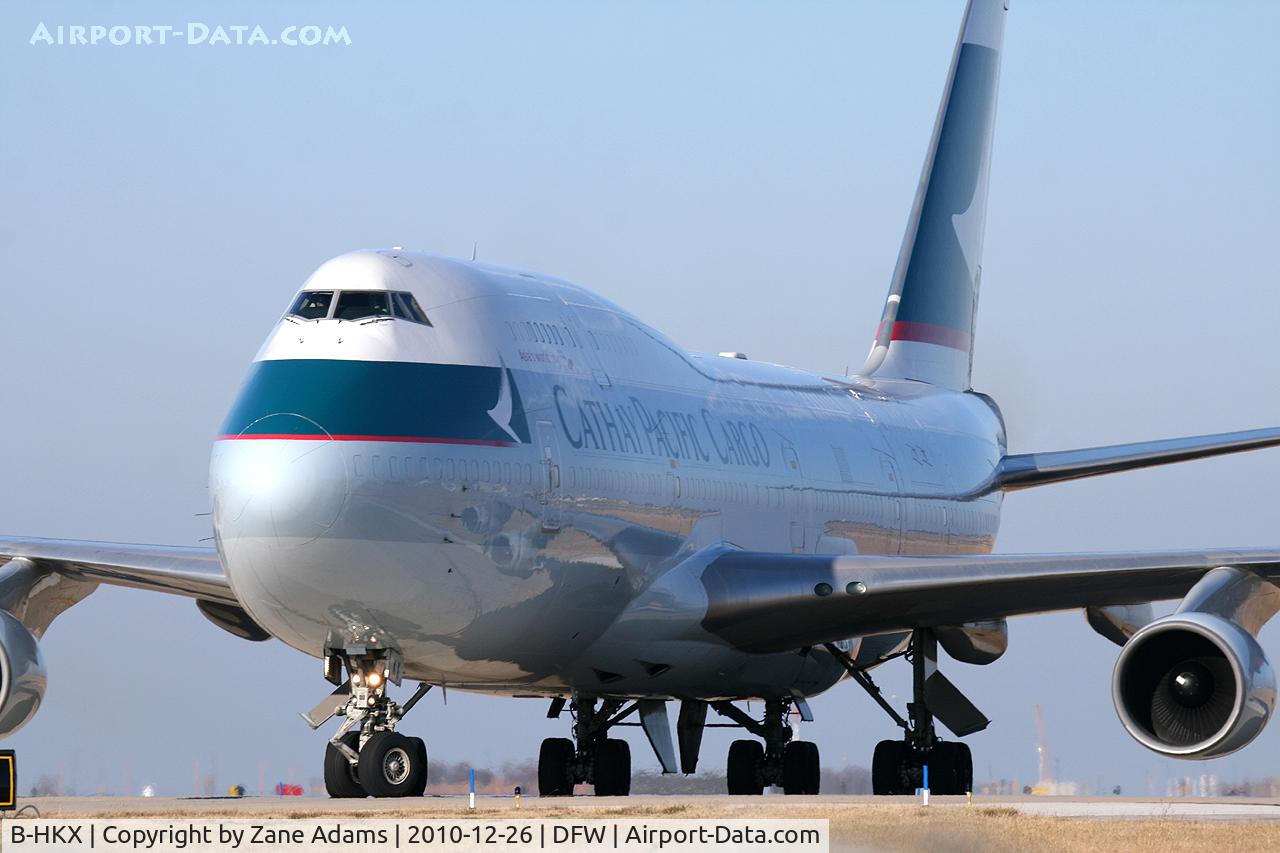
(926, 332)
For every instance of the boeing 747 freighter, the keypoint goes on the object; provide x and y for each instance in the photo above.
(462, 475)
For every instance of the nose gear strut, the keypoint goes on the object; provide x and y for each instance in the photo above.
(367, 756)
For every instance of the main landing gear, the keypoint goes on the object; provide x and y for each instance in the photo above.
(792, 765)
(367, 756)
(597, 759)
(897, 766)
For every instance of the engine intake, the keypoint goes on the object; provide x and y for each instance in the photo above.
(1193, 685)
(22, 678)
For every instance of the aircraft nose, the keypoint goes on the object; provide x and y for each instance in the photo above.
(282, 480)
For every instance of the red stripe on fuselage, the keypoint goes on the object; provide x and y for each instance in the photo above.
(409, 439)
(928, 333)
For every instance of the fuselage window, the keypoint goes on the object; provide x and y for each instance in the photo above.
(407, 308)
(312, 304)
(361, 304)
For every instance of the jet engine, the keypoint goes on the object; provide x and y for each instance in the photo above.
(22, 678)
(1193, 685)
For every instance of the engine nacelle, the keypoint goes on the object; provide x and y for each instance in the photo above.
(1193, 685)
(22, 678)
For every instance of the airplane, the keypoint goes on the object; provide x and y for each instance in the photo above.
(486, 479)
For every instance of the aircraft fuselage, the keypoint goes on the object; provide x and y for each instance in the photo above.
(516, 495)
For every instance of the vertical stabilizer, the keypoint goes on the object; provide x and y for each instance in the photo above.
(926, 332)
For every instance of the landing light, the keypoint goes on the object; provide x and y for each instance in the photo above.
(374, 679)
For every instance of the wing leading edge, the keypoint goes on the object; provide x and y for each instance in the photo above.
(193, 572)
(40, 578)
(763, 602)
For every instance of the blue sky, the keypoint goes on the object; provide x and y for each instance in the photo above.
(739, 175)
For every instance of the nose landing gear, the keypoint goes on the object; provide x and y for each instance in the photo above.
(367, 756)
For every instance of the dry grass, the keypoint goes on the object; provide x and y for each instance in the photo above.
(1006, 829)
(854, 825)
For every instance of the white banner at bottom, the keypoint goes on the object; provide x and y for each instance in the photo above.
(302, 835)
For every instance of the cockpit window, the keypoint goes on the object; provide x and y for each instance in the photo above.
(407, 308)
(359, 304)
(312, 304)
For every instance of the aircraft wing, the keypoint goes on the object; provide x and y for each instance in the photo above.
(1024, 470)
(193, 572)
(763, 602)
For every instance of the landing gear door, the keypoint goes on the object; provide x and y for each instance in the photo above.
(548, 475)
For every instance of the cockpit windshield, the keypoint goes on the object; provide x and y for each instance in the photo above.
(358, 305)
(312, 304)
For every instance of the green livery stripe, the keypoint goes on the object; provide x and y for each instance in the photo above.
(376, 401)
